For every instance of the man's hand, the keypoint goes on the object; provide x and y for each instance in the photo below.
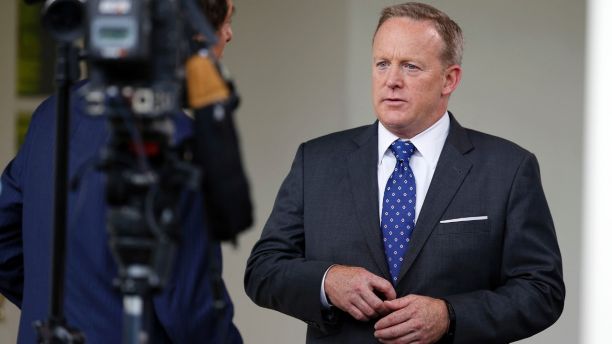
(354, 290)
(413, 319)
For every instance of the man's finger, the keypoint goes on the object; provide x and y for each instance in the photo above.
(407, 339)
(384, 287)
(375, 303)
(356, 313)
(366, 308)
(392, 319)
(394, 332)
(399, 303)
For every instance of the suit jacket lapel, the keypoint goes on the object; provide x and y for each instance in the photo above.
(362, 171)
(450, 172)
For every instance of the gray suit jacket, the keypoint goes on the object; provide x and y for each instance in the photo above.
(502, 275)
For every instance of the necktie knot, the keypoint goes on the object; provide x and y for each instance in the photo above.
(402, 150)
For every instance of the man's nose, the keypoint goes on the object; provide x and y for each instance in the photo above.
(394, 77)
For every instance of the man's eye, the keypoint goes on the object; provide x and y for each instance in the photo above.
(411, 67)
(382, 64)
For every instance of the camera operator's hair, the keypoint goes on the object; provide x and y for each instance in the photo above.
(215, 11)
(448, 30)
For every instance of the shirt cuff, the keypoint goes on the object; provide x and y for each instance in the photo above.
(322, 296)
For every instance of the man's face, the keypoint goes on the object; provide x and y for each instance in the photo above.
(224, 34)
(410, 84)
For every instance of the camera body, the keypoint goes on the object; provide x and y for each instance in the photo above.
(119, 30)
(135, 52)
(135, 49)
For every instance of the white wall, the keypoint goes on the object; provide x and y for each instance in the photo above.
(288, 58)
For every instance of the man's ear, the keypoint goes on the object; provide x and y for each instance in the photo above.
(452, 77)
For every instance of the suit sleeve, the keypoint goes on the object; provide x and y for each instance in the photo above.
(531, 294)
(278, 276)
(11, 207)
(11, 250)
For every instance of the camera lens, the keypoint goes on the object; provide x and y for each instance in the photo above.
(64, 19)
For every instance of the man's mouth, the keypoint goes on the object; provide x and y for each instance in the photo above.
(393, 101)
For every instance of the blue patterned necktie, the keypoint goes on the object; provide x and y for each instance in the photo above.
(398, 209)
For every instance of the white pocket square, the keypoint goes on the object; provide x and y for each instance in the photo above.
(465, 219)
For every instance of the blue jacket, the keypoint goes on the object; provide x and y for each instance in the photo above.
(184, 307)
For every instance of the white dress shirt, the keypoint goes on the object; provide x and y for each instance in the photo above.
(429, 144)
(423, 162)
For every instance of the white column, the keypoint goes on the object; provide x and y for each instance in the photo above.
(596, 298)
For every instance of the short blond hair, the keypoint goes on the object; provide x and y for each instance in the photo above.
(449, 31)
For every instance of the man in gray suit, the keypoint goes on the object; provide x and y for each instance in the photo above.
(413, 229)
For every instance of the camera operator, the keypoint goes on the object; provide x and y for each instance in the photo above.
(183, 311)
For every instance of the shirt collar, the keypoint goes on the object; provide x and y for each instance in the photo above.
(428, 143)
